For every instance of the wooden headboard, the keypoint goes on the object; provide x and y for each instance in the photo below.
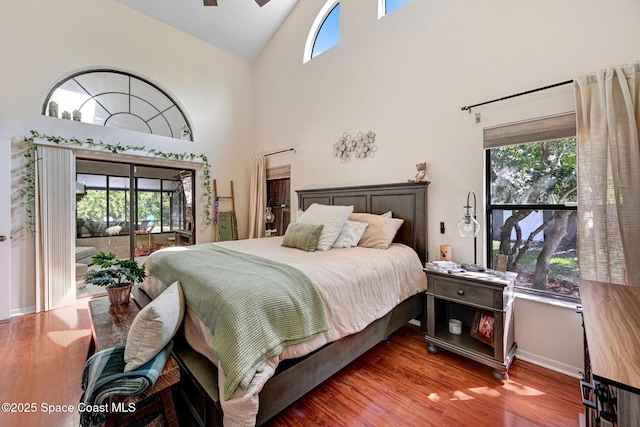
(406, 200)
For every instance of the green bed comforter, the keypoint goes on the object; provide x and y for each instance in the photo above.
(254, 307)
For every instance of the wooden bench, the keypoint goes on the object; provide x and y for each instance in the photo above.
(109, 328)
(197, 392)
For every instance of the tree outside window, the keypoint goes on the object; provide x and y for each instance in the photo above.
(106, 205)
(531, 206)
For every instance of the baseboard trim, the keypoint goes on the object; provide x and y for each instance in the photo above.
(554, 365)
(22, 311)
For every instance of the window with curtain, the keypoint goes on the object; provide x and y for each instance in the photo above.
(608, 122)
(279, 197)
(532, 202)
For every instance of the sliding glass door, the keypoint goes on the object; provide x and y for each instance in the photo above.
(128, 209)
(103, 209)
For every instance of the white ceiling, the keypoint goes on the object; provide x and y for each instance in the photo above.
(240, 27)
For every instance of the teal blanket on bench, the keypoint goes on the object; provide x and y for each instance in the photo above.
(103, 376)
(254, 307)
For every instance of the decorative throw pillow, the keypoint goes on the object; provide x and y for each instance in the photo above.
(380, 232)
(350, 234)
(302, 236)
(388, 214)
(332, 217)
(153, 327)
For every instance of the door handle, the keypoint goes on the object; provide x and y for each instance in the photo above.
(3, 238)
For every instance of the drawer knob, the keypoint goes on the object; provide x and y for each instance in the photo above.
(460, 292)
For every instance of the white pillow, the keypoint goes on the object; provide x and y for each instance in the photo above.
(350, 234)
(388, 214)
(332, 217)
(153, 327)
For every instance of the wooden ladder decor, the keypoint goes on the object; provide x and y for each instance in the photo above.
(217, 198)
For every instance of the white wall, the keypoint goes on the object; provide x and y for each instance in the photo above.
(41, 42)
(406, 77)
(549, 335)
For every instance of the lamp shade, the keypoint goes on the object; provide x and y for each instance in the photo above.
(468, 226)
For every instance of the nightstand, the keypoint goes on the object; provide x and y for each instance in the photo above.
(484, 304)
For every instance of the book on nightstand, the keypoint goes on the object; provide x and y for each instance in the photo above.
(443, 266)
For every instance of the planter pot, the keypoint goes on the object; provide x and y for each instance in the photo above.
(120, 295)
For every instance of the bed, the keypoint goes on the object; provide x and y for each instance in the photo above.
(380, 308)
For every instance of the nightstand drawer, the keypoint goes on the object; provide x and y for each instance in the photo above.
(464, 293)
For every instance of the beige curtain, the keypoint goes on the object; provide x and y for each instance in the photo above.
(608, 115)
(55, 228)
(258, 195)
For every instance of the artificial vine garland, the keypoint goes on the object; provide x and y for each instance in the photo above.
(31, 158)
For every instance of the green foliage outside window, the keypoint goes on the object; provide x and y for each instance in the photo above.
(94, 217)
(92, 206)
(118, 205)
(537, 173)
(532, 197)
(149, 206)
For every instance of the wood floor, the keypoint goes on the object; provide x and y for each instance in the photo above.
(395, 384)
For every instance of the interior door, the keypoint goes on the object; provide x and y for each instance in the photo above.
(5, 229)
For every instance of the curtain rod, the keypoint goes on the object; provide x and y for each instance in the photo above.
(469, 107)
(280, 151)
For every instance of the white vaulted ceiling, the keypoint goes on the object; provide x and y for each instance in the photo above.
(240, 27)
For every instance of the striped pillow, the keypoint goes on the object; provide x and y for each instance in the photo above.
(302, 236)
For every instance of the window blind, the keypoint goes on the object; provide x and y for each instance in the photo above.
(536, 130)
(279, 172)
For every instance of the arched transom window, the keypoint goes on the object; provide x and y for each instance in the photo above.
(117, 99)
(325, 31)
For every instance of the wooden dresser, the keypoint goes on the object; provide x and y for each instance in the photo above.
(611, 319)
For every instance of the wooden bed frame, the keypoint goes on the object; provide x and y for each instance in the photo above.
(199, 385)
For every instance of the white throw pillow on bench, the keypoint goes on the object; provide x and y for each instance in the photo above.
(153, 327)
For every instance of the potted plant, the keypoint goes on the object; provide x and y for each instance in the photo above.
(117, 275)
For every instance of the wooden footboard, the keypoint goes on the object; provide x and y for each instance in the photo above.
(198, 389)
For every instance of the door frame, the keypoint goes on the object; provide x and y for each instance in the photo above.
(5, 229)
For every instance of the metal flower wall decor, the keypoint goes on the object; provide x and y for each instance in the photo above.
(361, 146)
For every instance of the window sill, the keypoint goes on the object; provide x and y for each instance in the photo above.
(547, 300)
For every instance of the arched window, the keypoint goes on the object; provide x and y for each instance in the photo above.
(117, 99)
(388, 6)
(325, 31)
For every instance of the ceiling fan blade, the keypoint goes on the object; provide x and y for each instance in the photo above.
(262, 2)
(210, 2)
